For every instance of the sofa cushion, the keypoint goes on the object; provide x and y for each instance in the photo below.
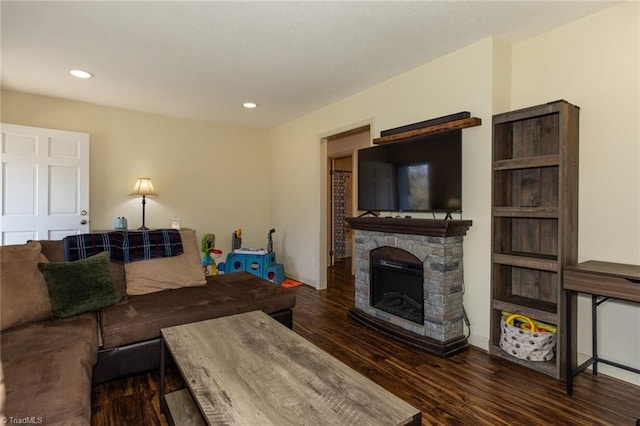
(47, 370)
(185, 270)
(81, 286)
(54, 251)
(141, 317)
(23, 293)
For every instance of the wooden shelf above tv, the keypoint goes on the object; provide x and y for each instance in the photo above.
(436, 128)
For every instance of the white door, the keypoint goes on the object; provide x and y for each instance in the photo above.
(44, 178)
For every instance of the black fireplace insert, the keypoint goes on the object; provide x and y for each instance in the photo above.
(397, 282)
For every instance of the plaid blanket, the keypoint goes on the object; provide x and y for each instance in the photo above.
(124, 246)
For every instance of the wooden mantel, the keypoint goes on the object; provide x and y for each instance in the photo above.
(429, 227)
(436, 128)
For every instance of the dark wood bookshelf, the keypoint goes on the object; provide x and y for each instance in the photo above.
(534, 219)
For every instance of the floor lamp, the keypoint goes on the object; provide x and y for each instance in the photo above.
(143, 187)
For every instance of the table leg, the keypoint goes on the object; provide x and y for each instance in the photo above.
(594, 333)
(164, 408)
(162, 366)
(569, 297)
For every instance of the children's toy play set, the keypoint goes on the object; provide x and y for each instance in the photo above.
(259, 262)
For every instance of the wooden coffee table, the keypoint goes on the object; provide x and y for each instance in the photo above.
(249, 369)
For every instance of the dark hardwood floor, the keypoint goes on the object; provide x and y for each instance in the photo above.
(471, 388)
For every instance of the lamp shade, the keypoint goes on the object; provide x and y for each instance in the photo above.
(143, 186)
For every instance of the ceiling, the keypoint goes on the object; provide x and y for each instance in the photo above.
(203, 59)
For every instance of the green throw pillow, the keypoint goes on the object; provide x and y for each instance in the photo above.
(81, 286)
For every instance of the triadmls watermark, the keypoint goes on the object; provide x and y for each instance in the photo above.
(27, 420)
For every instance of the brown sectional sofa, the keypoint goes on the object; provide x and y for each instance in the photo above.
(47, 367)
(50, 365)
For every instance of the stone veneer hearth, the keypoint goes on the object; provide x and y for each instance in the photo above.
(438, 244)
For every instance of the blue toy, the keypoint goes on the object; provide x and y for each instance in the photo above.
(259, 262)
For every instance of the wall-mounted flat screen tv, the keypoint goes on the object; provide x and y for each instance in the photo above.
(420, 175)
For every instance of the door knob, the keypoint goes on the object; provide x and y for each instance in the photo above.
(83, 222)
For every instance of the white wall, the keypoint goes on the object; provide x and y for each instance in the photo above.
(595, 63)
(214, 177)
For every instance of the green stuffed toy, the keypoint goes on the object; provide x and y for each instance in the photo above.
(207, 247)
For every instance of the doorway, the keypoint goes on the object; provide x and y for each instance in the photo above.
(342, 193)
(341, 207)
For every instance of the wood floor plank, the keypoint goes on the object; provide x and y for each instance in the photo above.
(471, 388)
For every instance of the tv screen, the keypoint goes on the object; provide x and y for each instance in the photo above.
(421, 175)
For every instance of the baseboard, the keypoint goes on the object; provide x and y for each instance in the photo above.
(480, 342)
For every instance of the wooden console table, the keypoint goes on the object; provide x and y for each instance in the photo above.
(603, 281)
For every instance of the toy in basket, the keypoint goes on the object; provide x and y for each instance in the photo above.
(525, 340)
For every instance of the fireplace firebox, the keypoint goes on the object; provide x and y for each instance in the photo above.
(397, 283)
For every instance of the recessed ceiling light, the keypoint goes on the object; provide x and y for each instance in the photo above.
(81, 73)
(250, 105)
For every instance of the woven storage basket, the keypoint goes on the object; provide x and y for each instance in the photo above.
(536, 345)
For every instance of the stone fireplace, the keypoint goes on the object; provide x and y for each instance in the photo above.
(409, 280)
